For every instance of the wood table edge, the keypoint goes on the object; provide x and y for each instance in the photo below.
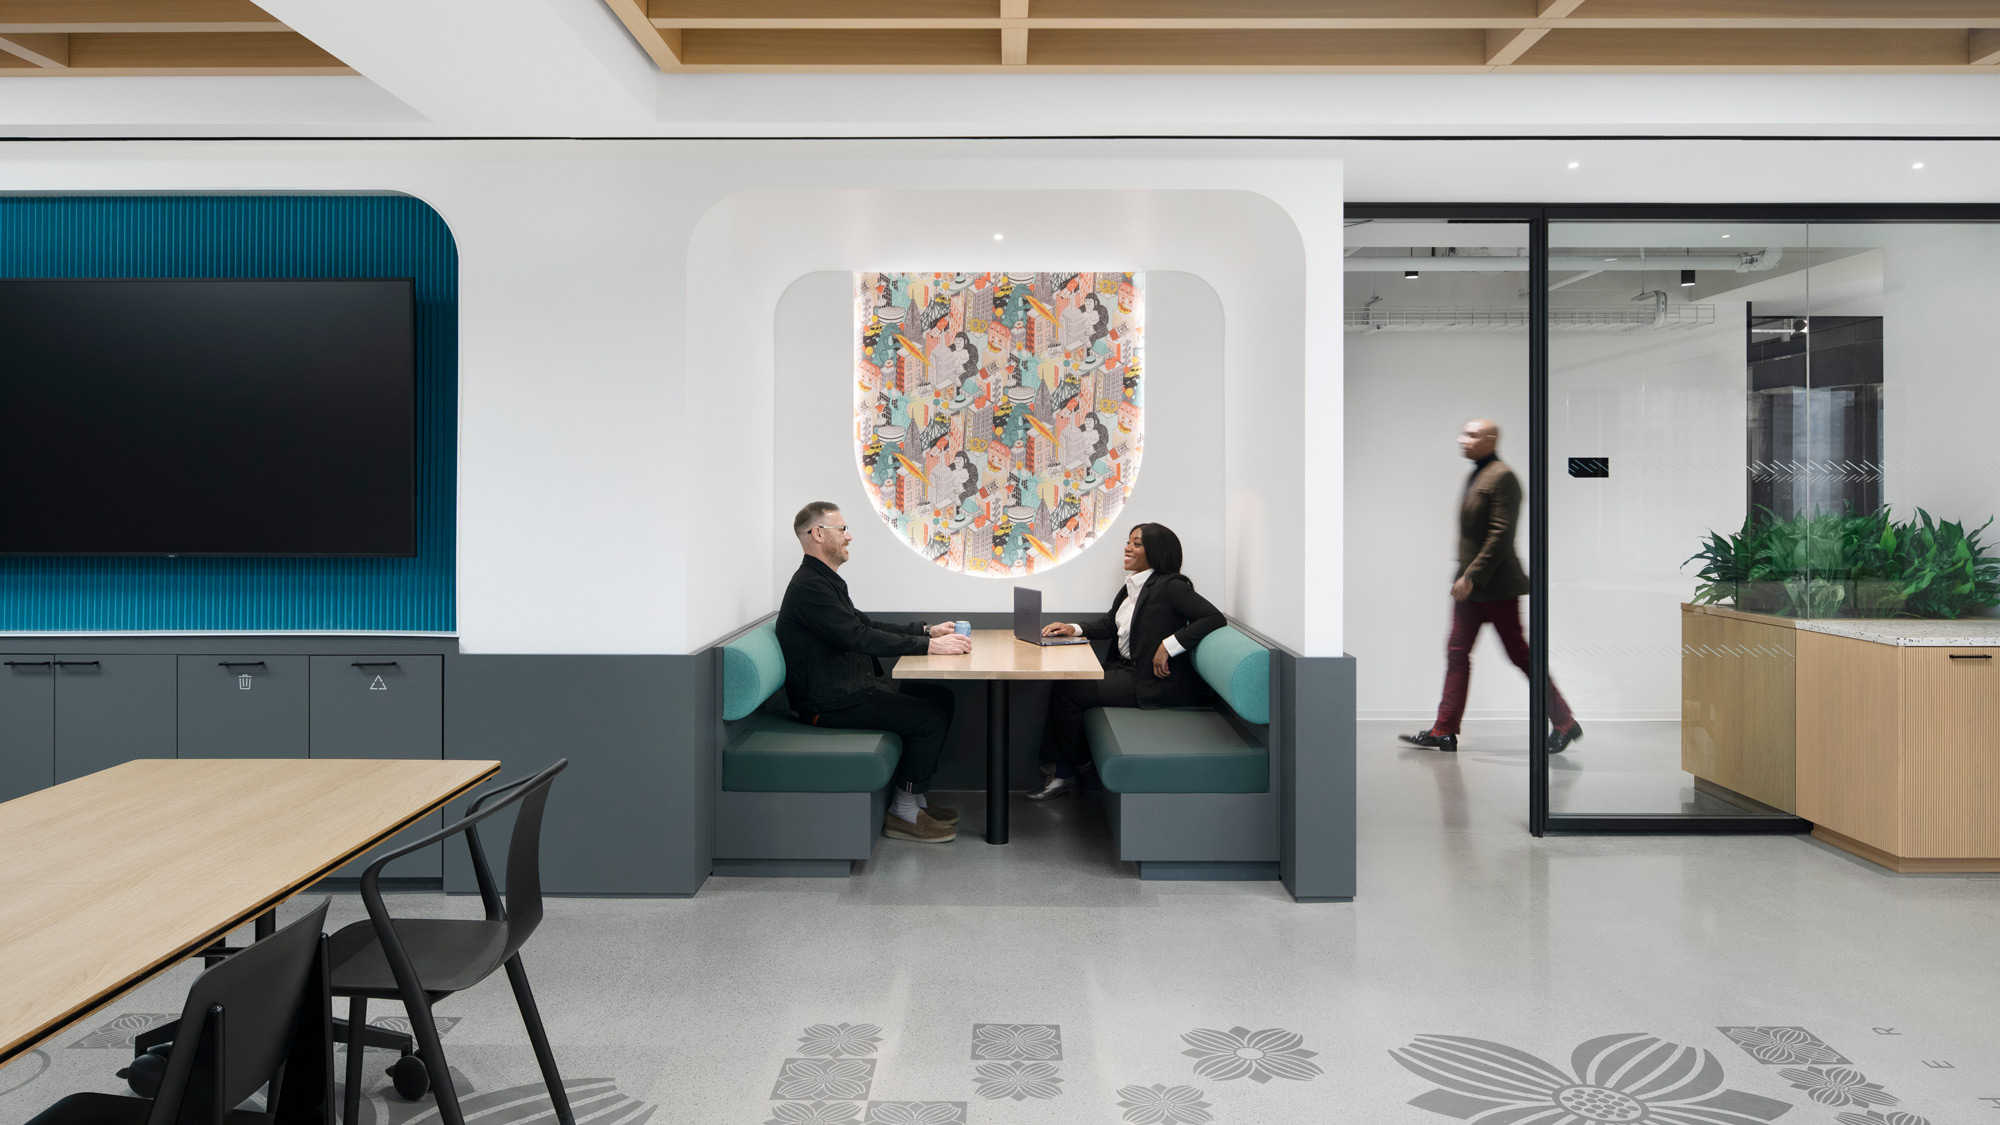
(34, 1040)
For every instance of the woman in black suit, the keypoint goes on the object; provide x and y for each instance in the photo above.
(1154, 625)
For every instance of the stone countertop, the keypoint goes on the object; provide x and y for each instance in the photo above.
(1910, 632)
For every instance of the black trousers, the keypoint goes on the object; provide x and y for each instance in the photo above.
(919, 713)
(1062, 736)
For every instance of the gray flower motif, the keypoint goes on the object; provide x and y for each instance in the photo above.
(916, 1113)
(1617, 1079)
(1164, 1105)
(1773, 1045)
(814, 1113)
(1257, 1055)
(1837, 1085)
(824, 1079)
(1870, 1117)
(1018, 1080)
(836, 1039)
(1016, 1041)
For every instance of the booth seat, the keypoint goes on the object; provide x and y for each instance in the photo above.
(793, 799)
(1193, 792)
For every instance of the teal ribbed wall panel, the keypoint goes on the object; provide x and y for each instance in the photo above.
(254, 236)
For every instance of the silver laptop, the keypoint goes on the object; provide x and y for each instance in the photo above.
(1028, 620)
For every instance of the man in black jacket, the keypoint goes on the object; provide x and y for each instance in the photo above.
(833, 672)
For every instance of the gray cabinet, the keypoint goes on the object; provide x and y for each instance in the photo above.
(243, 706)
(381, 707)
(27, 724)
(110, 710)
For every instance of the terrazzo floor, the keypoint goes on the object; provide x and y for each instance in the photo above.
(1480, 975)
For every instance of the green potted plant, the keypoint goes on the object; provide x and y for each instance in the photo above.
(1848, 565)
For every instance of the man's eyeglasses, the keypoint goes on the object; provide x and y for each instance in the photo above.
(829, 527)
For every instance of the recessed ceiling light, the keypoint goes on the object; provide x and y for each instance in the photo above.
(1687, 278)
(1727, 236)
(1575, 164)
(1918, 166)
(998, 237)
(1610, 259)
(1409, 275)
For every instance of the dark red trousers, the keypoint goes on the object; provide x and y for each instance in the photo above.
(1466, 618)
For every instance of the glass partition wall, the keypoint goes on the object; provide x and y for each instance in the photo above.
(1747, 425)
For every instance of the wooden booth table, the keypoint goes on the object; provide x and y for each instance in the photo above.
(999, 659)
(113, 877)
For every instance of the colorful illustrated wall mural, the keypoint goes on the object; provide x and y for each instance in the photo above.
(999, 417)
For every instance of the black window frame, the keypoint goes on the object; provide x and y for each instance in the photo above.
(1538, 216)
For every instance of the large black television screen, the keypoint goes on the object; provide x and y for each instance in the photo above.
(208, 417)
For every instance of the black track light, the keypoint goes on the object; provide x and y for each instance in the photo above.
(1409, 275)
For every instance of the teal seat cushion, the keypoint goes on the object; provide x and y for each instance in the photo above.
(753, 666)
(1173, 752)
(775, 754)
(1239, 669)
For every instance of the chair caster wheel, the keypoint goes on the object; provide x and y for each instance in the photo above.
(410, 1078)
(144, 1074)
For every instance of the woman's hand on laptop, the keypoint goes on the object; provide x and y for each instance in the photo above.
(1060, 629)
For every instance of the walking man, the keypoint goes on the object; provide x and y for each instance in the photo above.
(1488, 589)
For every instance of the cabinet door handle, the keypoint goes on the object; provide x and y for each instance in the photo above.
(29, 663)
(375, 664)
(1971, 656)
(78, 663)
(240, 664)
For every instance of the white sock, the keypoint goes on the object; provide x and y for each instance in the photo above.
(903, 806)
(923, 800)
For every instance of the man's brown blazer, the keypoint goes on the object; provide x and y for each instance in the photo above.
(1486, 521)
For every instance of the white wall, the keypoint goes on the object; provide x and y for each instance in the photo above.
(1941, 373)
(602, 322)
(1268, 255)
(1180, 481)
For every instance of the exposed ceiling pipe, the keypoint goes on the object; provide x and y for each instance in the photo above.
(1570, 280)
(1733, 263)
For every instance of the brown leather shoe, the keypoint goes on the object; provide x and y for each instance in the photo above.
(924, 831)
(941, 814)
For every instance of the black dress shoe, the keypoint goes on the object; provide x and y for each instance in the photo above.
(1559, 740)
(1445, 742)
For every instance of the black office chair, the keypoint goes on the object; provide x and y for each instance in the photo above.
(423, 960)
(262, 1015)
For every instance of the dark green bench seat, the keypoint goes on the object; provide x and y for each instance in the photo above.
(778, 754)
(1192, 792)
(1183, 750)
(792, 799)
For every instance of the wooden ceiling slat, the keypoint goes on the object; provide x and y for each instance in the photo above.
(1239, 48)
(1414, 36)
(134, 16)
(1748, 49)
(888, 50)
(50, 51)
(1823, 13)
(151, 51)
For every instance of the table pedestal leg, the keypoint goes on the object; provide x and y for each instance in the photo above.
(996, 761)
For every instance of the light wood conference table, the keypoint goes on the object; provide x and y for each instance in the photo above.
(114, 877)
(999, 659)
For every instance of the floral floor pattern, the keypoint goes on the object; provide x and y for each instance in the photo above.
(844, 1073)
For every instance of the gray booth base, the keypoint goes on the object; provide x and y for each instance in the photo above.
(785, 835)
(785, 868)
(1216, 828)
(1231, 872)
